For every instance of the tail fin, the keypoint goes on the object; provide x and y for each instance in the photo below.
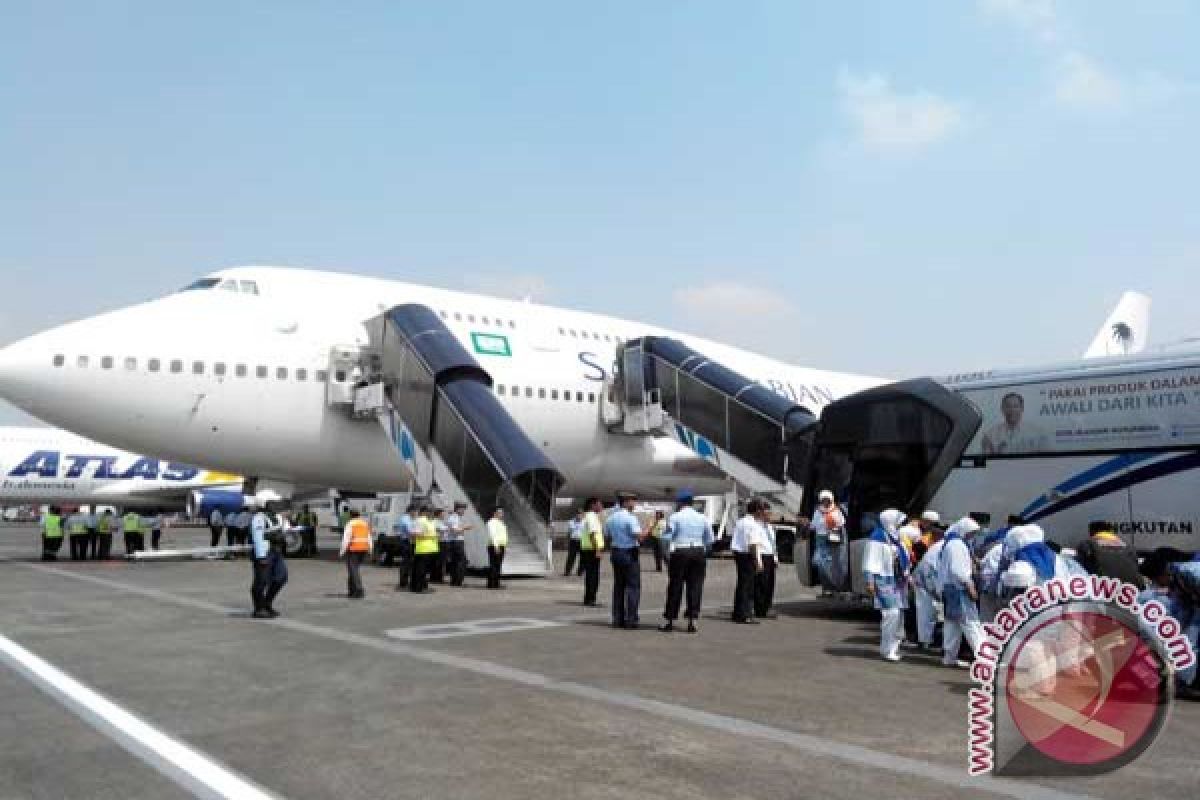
(1126, 330)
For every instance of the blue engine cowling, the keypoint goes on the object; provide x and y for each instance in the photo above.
(202, 502)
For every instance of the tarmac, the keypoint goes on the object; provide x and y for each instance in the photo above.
(150, 680)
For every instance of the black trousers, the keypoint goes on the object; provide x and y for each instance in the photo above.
(103, 546)
(404, 561)
(656, 547)
(93, 543)
(456, 562)
(495, 564)
(261, 582)
(437, 566)
(308, 542)
(627, 586)
(589, 561)
(50, 547)
(231, 536)
(354, 585)
(215, 538)
(134, 542)
(419, 580)
(743, 593)
(572, 554)
(155, 536)
(764, 587)
(79, 546)
(685, 568)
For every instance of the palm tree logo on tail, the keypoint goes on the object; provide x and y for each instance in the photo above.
(1122, 334)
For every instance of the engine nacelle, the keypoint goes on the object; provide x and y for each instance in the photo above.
(201, 502)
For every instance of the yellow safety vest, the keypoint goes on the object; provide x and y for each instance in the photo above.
(132, 523)
(659, 527)
(498, 533)
(53, 524)
(593, 532)
(104, 524)
(426, 540)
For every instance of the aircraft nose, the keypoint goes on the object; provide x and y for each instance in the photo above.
(24, 366)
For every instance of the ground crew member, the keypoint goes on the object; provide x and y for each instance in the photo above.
(497, 544)
(689, 537)
(356, 546)
(764, 579)
(403, 531)
(92, 541)
(270, 569)
(655, 541)
(78, 532)
(155, 522)
(52, 534)
(306, 520)
(104, 533)
(456, 545)
(574, 531)
(216, 522)
(747, 545)
(1104, 554)
(425, 549)
(131, 525)
(623, 529)
(591, 543)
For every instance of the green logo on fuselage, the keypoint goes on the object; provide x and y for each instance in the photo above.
(491, 344)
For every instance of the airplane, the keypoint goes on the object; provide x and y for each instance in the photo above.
(47, 466)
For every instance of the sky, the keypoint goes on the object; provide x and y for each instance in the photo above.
(894, 189)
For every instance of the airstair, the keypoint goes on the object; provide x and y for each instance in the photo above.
(453, 438)
(758, 438)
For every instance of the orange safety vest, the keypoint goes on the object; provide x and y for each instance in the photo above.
(360, 536)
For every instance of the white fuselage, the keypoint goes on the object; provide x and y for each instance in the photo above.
(162, 389)
(44, 465)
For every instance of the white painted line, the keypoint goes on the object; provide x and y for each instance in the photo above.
(475, 627)
(192, 770)
(800, 742)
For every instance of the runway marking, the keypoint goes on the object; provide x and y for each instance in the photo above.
(807, 743)
(477, 627)
(190, 769)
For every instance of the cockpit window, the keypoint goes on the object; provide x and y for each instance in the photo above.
(203, 283)
(229, 284)
(249, 287)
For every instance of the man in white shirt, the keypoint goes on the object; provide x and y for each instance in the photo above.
(1012, 435)
(764, 579)
(749, 542)
(456, 544)
(574, 534)
(270, 569)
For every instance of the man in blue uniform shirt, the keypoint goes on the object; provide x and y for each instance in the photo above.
(626, 534)
(689, 536)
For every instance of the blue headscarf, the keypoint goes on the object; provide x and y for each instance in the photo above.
(1028, 543)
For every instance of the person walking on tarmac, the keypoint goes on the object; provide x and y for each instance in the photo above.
(655, 541)
(52, 534)
(306, 520)
(591, 544)
(270, 568)
(356, 546)
(92, 541)
(216, 521)
(497, 544)
(574, 532)
(625, 532)
(764, 579)
(403, 531)
(748, 545)
(105, 524)
(78, 532)
(131, 526)
(689, 537)
(456, 544)
(425, 550)
(437, 571)
(155, 523)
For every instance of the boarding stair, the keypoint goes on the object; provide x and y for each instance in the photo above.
(757, 437)
(453, 438)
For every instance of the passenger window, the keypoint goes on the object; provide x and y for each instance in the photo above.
(281, 373)
(529, 391)
(573, 332)
(471, 318)
(457, 316)
(131, 363)
(153, 365)
(197, 367)
(579, 397)
(562, 331)
(340, 376)
(240, 370)
(106, 362)
(219, 369)
(59, 360)
(512, 324)
(322, 375)
(566, 395)
(229, 285)
(444, 315)
(260, 372)
(483, 320)
(82, 361)
(554, 394)
(301, 374)
(249, 287)
(541, 394)
(500, 389)
(591, 397)
(516, 391)
(176, 365)
(606, 337)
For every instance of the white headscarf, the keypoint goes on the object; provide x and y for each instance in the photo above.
(824, 495)
(891, 519)
(964, 527)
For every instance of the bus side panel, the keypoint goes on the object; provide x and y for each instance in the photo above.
(1013, 486)
(1166, 511)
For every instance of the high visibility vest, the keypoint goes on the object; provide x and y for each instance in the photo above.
(53, 523)
(593, 532)
(426, 537)
(104, 524)
(131, 523)
(497, 533)
(360, 536)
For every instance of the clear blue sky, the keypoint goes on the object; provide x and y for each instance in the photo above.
(889, 188)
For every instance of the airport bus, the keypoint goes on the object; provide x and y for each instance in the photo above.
(1114, 439)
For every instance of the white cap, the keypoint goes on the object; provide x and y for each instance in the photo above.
(931, 516)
